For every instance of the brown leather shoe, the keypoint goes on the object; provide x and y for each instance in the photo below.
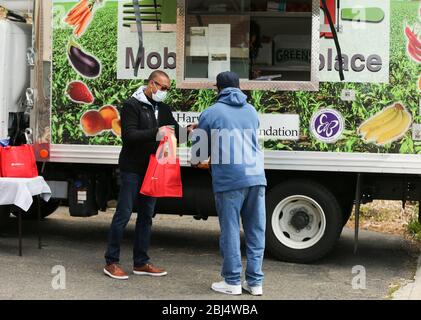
(149, 270)
(115, 271)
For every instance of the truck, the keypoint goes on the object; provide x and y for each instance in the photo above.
(336, 84)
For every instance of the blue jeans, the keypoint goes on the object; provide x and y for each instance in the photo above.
(129, 196)
(249, 204)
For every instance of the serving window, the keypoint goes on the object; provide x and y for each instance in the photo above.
(270, 44)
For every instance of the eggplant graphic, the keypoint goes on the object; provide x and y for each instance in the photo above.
(85, 64)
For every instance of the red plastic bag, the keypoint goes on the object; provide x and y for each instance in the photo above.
(18, 162)
(163, 176)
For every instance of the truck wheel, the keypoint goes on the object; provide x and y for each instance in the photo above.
(347, 207)
(4, 216)
(304, 221)
(47, 208)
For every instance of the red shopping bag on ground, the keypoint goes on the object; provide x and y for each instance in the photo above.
(163, 176)
(18, 162)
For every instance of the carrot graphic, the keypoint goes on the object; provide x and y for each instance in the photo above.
(79, 17)
(73, 14)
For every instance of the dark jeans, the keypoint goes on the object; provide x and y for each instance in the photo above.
(128, 197)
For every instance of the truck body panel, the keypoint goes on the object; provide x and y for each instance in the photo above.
(274, 160)
(291, 143)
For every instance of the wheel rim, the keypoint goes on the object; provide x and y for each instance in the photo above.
(298, 222)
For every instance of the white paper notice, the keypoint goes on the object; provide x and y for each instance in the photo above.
(199, 42)
(219, 49)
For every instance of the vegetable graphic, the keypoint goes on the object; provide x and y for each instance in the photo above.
(414, 45)
(116, 127)
(95, 122)
(87, 65)
(109, 113)
(78, 92)
(92, 123)
(80, 16)
(386, 126)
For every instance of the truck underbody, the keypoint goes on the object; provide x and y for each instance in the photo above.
(316, 205)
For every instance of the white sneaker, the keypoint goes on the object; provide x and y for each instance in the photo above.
(226, 288)
(255, 291)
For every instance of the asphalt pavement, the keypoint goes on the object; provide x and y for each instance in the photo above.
(70, 264)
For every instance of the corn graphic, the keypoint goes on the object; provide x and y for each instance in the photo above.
(388, 125)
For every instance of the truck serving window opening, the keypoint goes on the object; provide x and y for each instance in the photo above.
(335, 37)
(271, 48)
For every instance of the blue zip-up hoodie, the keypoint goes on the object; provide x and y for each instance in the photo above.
(231, 125)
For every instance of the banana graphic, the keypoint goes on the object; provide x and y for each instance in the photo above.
(378, 119)
(377, 131)
(396, 132)
(387, 125)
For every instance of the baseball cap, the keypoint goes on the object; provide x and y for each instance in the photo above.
(227, 79)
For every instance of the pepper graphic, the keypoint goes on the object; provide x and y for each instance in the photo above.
(414, 45)
(78, 92)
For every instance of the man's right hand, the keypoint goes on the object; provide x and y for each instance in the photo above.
(204, 165)
(163, 130)
(192, 127)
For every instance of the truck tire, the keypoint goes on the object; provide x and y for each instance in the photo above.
(47, 208)
(304, 221)
(4, 216)
(347, 207)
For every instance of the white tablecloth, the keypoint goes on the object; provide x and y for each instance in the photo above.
(19, 191)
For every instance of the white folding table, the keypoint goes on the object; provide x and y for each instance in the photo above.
(20, 192)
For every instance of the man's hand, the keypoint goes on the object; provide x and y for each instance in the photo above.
(191, 127)
(163, 130)
(205, 165)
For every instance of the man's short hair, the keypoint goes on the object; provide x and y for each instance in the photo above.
(157, 73)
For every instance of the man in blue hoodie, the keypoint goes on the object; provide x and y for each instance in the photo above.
(227, 132)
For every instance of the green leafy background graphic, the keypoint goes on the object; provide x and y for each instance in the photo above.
(101, 40)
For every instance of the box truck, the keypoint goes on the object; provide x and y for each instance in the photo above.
(336, 84)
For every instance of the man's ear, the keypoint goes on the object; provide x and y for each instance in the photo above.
(150, 86)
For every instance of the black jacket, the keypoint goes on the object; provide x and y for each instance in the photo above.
(139, 128)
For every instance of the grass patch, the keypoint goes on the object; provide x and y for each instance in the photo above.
(392, 290)
(386, 216)
(414, 229)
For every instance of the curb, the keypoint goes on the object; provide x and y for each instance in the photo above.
(411, 291)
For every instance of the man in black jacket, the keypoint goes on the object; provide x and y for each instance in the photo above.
(144, 119)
